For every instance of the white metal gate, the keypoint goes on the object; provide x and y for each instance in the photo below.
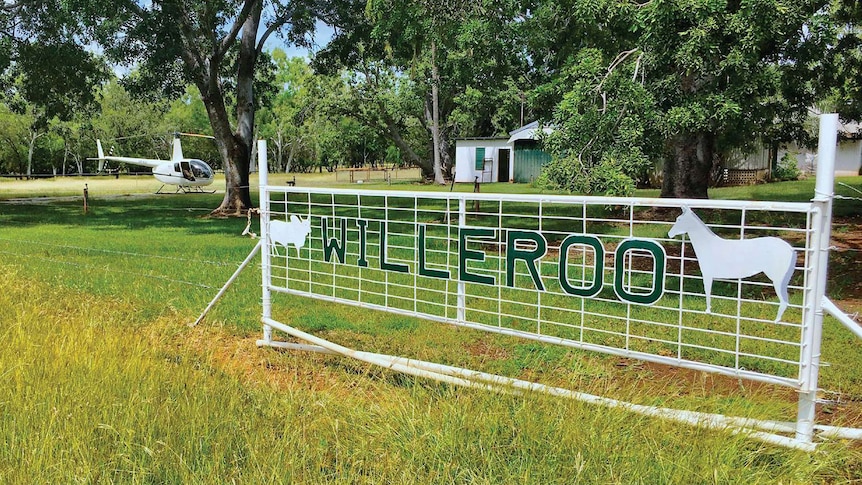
(592, 273)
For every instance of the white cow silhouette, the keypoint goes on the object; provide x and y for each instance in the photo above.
(294, 232)
(733, 259)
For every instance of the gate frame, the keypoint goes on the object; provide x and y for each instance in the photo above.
(812, 320)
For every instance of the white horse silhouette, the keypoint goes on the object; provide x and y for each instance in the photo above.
(734, 259)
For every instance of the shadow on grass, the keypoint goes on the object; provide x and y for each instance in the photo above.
(189, 213)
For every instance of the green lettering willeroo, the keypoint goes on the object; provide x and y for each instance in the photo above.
(529, 257)
(423, 270)
(331, 244)
(384, 264)
(465, 254)
(659, 263)
(598, 265)
(362, 224)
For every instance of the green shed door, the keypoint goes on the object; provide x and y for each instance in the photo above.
(480, 158)
(529, 160)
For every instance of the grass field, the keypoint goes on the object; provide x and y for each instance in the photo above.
(103, 381)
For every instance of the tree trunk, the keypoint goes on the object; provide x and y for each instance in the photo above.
(234, 147)
(445, 154)
(435, 116)
(279, 150)
(289, 165)
(252, 162)
(406, 150)
(686, 176)
(33, 137)
(234, 155)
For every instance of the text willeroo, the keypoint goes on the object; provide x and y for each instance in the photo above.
(526, 246)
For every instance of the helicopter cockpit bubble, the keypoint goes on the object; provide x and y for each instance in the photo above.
(200, 169)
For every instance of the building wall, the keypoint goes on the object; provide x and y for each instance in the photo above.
(848, 158)
(465, 159)
(529, 160)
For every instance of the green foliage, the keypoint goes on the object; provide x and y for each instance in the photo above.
(787, 169)
(44, 60)
(604, 178)
(13, 133)
(601, 144)
(843, 62)
(461, 63)
(673, 78)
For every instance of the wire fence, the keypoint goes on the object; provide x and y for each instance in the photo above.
(138, 265)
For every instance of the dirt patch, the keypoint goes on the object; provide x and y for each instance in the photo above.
(481, 348)
(845, 265)
(242, 358)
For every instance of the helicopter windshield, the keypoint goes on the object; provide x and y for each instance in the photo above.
(201, 169)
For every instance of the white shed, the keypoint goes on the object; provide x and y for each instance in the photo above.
(488, 159)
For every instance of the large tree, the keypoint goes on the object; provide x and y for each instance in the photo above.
(719, 74)
(723, 71)
(215, 45)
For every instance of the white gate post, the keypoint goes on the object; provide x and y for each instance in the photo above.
(263, 181)
(813, 313)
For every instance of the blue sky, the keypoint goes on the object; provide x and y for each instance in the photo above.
(322, 35)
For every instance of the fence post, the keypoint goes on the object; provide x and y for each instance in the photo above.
(86, 199)
(812, 322)
(263, 181)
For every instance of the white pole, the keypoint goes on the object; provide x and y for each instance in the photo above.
(830, 308)
(266, 295)
(826, 148)
(227, 285)
(812, 324)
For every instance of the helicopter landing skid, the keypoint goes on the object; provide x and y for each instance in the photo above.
(186, 189)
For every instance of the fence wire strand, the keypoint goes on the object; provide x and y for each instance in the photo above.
(119, 253)
(105, 269)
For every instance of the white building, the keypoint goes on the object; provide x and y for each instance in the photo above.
(488, 159)
(497, 159)
(848, 155)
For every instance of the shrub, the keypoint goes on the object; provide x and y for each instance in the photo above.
(786, 169)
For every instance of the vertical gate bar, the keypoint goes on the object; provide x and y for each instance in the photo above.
(462, 286)
(738, 344)
(812, 331)
(500, 266)
(416, 252)
(539, 294)
(266, 271)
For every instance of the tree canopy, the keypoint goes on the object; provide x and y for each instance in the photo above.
(631, 88)
(682, 81)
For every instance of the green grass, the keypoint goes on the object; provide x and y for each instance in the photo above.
(94, 393)
(102, 381)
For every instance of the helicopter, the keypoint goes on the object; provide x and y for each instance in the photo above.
(187, 174)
